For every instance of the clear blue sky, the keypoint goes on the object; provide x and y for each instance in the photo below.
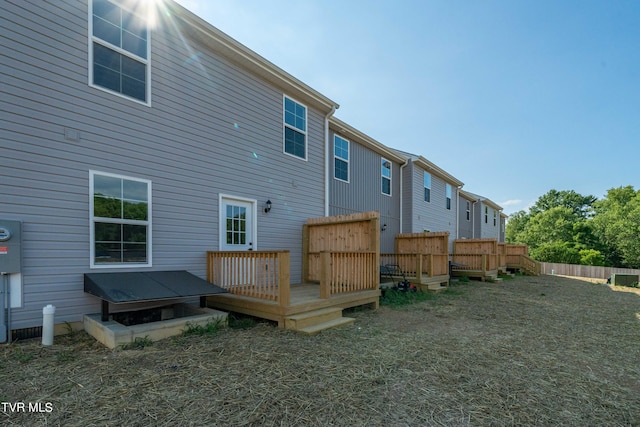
(514, 98)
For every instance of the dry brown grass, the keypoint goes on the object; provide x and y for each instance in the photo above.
(529, 351)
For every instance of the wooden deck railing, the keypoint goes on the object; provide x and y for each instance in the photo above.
(416, 265)
(258, 274)
(475, 262)
(342, 272)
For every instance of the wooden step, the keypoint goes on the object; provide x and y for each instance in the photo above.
(436, 288)
(310, 318)
(314, 329)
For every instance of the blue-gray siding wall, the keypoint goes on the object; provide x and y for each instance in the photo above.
(433, 215)
(212, 128)
(363, 192)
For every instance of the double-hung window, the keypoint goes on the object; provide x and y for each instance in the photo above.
(120, 217)
(495, 218)
(119, 49)
(448, 191)
(468, 210)
(427, 187)
(340, 158)
(295, 128)
(386, 176)
(486, 215)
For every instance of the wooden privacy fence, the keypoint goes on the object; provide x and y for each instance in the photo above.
(589, 271)
(475, 246)
(423, 243)
(418, 264)
(257, 274)
(342, 250)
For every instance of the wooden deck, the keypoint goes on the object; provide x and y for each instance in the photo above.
(304, 299)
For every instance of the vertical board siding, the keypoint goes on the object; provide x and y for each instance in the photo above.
(212, 128)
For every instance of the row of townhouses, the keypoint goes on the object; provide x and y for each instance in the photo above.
(128, 146)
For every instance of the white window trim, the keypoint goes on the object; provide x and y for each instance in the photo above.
(285, 125)
(146, 61)
(149, 222)
(342, 159)
(468, 210)
(448, 199)
(382, 177)
(430, 181)
(222, 219)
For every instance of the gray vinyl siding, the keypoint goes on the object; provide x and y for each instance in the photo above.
(363, 192)
(465, 227)
(433, 215)
(487, 229)
(186, 143)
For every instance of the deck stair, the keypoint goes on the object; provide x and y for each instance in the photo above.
(313, 322)
(434, 287)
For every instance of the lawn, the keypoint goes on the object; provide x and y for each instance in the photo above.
(526, 351)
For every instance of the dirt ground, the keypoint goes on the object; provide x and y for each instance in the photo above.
(532, 351)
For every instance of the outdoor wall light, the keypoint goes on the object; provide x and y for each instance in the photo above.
(384, 227)
(267, 206)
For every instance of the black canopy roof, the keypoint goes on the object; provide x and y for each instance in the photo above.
(147, 286)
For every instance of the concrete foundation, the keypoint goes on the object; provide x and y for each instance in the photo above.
(112, 334)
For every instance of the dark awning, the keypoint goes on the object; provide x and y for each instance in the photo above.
(147, 286)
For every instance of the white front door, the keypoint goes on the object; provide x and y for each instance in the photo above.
(237, 225)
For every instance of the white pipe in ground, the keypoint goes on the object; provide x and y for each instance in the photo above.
(47, 324)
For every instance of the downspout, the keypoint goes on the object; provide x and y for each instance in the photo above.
(402, 192)
(327, 163)
(458, 212)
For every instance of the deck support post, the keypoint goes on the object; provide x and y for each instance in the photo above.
(105, 310)
(325, 275)
(284, 284)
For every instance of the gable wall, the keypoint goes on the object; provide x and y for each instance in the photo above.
(187, 143)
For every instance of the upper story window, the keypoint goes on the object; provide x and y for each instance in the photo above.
(295, 128)
(386, 176)
(340, 158)
(448, 192)
(468, 210)
(427, 187)
(495, 218)
(119, 49)
(120, 217)
(486, 215)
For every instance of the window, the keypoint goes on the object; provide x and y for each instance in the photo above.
(119, 50)
(120, 217)
(295, 128)
(448, 190)
(427, 187)
(468, 210)
(386, 177)
(340, 158)
(486, 215)
(495, 218)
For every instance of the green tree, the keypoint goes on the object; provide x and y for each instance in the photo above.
(617, 225)
(581, 206)
(557, 227)
(515, 227)
(562, 252)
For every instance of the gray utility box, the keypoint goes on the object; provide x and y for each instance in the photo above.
(624, 279)
(10, 246)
